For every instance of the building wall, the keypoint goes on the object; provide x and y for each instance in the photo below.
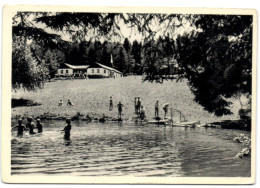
(98, 71)
(117, 74)
(79, 71)
(65, 71)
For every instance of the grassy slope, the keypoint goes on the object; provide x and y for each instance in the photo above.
(92, 96)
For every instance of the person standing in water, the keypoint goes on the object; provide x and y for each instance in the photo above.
(20, 128)
(39, 125)
(156, 107)
(67, 129)
(110, 104)
(142, 113)
(30, 125)
(120, 109)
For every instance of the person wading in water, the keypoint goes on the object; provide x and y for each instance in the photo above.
(39, 125)
(67, 129)
(20, 128)
(142, 113)
(30, 125)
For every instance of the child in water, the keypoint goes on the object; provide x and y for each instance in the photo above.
(67, 129)
(30, 125)
(39, 125)
(20, 128)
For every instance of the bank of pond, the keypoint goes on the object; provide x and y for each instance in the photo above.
(93, 117)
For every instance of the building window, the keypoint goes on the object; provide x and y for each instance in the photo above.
(67, 71)
(92, 70)
(97, 70)
(105, 71)
(61, 71)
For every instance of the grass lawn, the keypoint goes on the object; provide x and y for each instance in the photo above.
(92, 96)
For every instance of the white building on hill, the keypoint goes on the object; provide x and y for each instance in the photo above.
(96, 70)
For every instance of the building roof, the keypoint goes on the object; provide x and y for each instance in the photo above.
(109, 68)
(66, 65)
(96, 65)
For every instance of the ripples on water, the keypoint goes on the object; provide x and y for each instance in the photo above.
(128, 149)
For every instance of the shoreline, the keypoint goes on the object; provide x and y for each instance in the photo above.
(93, 117)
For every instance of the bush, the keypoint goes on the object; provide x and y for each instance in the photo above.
(23, 102)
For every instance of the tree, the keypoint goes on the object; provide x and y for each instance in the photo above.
(218, 60)
(127, 45)
(120, 59)
(27, 71)
(129, 58)
(136, 52)
(106, 54)
(53, 59)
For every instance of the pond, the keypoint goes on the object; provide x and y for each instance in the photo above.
(113, 149)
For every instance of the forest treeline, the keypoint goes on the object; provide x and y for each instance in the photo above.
(124, 57)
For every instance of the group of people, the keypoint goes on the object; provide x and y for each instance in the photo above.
(139, 108)
(30, 127)
(69, 103)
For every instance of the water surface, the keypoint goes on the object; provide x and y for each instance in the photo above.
(112, 149)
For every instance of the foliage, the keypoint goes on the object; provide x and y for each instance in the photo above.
(23, 102)
(218, 60)
(27, 71)
(136, 52)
